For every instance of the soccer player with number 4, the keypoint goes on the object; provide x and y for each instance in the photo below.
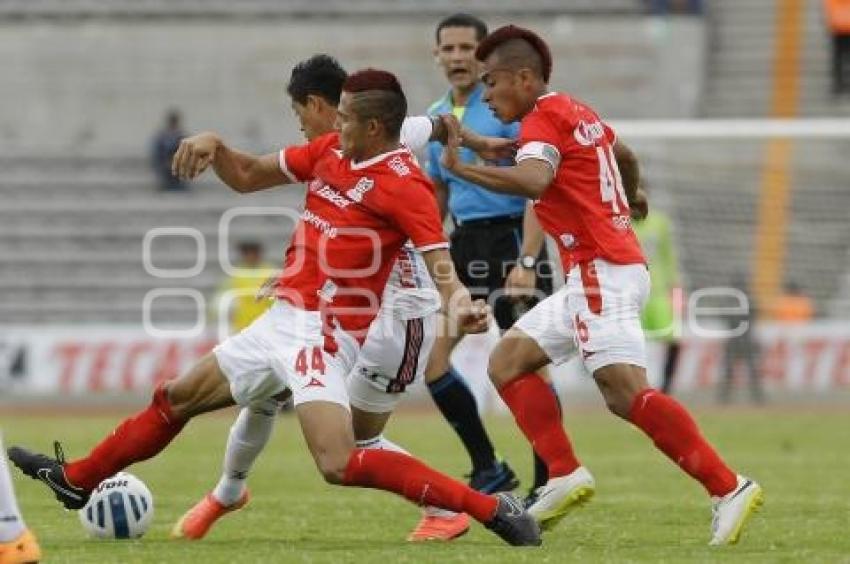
(582, 180)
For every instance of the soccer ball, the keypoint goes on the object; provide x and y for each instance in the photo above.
(120, 508)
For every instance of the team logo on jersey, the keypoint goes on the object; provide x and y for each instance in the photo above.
(363, 185)
(568, 240)
(327, 291)
(398, 166)
(314, 383)
(587, 134)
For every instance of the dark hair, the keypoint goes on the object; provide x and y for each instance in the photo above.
(517, 46)
(250, 246)
(463, 20)
(377, 95)
(320, 75)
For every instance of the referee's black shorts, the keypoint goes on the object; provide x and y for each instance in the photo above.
(484, 252)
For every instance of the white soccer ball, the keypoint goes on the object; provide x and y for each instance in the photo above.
(120, 508)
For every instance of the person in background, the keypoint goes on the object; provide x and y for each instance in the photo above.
(240, 290)
(838, 21)
(665, 7)
(659, 315)
(497, 249)
(741, 348)
(794, 306)
(164, 145)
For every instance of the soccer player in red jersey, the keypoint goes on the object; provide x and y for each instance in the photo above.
(366, 197)
(582, 180)
(394, 353)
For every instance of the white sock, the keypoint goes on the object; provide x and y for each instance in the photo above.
(382, 443)
(11, 522)
(248, 436)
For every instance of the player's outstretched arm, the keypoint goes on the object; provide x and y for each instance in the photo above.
(241, 171)
(418, 131)
(488, 148)
(469, 316)
(529, 177)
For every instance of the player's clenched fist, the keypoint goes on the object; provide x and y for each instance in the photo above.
(194, 155)
(472, 316)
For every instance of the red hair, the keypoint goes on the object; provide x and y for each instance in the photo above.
(372, 79)
(509, 33)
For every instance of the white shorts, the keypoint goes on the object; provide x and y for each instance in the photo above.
(285, 348)
(596, 313)
(393, 357)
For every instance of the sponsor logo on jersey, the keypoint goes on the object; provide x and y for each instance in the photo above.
(314, 383)
(332, 196)
(398, 166)
(622, 222)
(568, 240)
(363, 185)
(319, 223)
(587, 134)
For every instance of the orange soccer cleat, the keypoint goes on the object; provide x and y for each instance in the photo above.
(440, 527)
(195, 523)
(22, 550)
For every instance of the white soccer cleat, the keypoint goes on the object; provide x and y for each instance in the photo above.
(560, 496)
(731, 512)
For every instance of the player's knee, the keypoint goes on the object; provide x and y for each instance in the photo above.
(620, 385)
(503, 364)
(618, 405)
(331, 461)
(332, 468)
(202, 389)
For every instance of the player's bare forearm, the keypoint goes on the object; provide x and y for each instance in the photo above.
(532, 233)
(240, 171)
(629, 169)
(442, 271)
(441, 191)
(245, 172)
(529, 178)
(467, 316)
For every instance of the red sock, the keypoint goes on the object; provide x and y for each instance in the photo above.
(136, 438)
(676, 434)
(537, 413)
(408, 477)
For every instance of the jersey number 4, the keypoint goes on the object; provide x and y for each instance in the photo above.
(317, 361)
(610, 182)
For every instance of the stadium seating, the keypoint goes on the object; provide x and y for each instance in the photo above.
(740, 64)
(72, 231)
(71, 228)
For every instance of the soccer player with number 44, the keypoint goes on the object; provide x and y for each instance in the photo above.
(583, 181)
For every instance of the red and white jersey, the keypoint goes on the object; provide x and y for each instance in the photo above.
(356, 218)
(585, 208)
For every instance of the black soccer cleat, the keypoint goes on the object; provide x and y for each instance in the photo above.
(50, 472)
(530, 498)
(513, 523)
(498, 478)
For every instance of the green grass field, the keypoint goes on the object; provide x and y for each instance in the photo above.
(645, 509)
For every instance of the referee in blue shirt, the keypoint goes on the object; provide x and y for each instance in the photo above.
(497, 248)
